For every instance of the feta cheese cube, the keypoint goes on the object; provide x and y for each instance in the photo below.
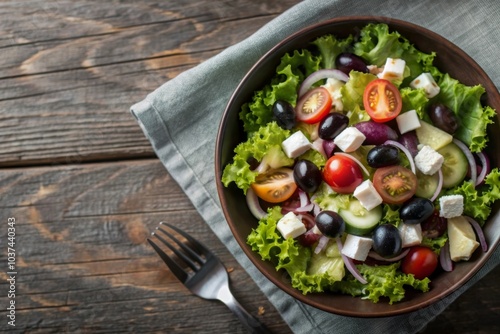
(367, 195)
(428, 161)
(411, 234)
(451, 206)
(393, 69)
(357, 247)
(426, 81)
(296, 145)
(290, 226)
(350, 139)
(408, 121)
(333, 86)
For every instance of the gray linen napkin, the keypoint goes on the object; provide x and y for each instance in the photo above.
(182, 130)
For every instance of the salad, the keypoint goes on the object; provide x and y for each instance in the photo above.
(362, 155)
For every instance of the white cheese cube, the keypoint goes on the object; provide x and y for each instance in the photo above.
(290, 226)
(411, 234)
(350, 139)
(357, 247)
(296, 145)
(462, 239)
(451, 206)
(394, 69)
(333, 86)
(367, 195)
(426, 81)
(408, 121)
(428, 161)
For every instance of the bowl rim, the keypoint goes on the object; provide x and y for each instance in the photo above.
(259, 263)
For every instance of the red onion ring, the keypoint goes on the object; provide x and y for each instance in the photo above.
(323, 240)
(356, 161)
(375, 256)
(445, 259)
(479, 232)
(318, 146)
(328, 147)
(405, 151)
(485, 167)
(320, 75)
(254, 205)
(350, 264)
(439, 186)
(470, 158)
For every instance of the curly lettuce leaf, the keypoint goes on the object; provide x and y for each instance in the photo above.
(283, 86)
(479, 200)
(415, 99)
(383, 281)
(264, 146)
(327, 199)
(436, 244)
(352, 91)
(330, 47)
(390, 215)
(466, 104)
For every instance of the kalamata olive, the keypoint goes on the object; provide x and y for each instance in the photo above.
(346, 62)
(330, 223)
(309, 238)
(410, 141)
(443, 118)
(376, 133)
(416, 210)
(383, 155)
(307, 175)
(284, 114)
(386, 240)
(332, 125)
(434, 226)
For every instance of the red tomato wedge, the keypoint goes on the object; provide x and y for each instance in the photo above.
(382, 100)
(314, 105)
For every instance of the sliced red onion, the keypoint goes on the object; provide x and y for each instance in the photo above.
(445, 259)
(485, 162)
(308, 220)
(316, 209)
(439, 186)
(254, 205)
(375, 256)
(323, 240)
(320, 75)
(328, 147)
(405, 151)
(470, 158)
(318, 145)
(304, 200)
(305, 208)
(356, 161)
(350, 264)
(479, 232)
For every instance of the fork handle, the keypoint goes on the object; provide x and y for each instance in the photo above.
(253, 325)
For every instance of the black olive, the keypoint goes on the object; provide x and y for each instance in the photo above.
(330, 223)
(382, 156)
(284, 114)
(346, 62)
(307, 176)
(416, 210)
(386, 240)
(443, 118)
(332, 125)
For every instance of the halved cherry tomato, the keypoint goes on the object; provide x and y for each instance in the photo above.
(342, 174)
(395, 184)
(314, 105)
(420, 261)
(274, 186)
(382, 100)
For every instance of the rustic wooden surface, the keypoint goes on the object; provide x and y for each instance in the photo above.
(85, 187)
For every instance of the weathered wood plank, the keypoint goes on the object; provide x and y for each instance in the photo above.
(70, 69)
(83, 261)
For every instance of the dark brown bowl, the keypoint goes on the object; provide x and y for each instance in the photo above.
(449, 59)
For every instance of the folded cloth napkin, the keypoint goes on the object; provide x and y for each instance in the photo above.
(181, 118)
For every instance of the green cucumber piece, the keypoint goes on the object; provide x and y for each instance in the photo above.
(358, 220)
(455, 165)
(427, 184)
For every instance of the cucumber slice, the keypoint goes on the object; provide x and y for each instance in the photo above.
(358, 220)
(427, 184)
(436, 138)
(455, 165)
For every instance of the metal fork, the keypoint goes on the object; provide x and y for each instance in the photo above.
(201, 272)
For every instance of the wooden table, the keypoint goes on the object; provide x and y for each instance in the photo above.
(85, 187)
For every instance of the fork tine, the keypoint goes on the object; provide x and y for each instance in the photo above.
(200, 247)
(172, 265)
(192, 257)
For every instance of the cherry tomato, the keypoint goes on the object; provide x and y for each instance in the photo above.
(395, 184)
(274, 186)
(420, 261)
(342, 174)
(314, 105)
(382, 100)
